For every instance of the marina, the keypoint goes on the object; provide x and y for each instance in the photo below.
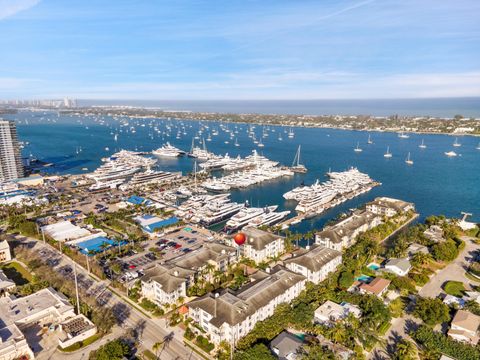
(321, 149)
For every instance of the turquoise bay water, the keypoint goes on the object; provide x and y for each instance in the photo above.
(436, 183)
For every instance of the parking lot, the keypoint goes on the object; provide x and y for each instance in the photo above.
(181, 241)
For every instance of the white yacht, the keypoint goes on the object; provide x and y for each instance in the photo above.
(402, 135)
(168, 150)
(422, 145)
(269, 218)
(153, 177)
(408, 160)
(456, 143)
(315, 203)
(451, 153)
(216, 213)
(369, 141)
(358, 149)
(388, 154)
(244, 216)
(291, 134)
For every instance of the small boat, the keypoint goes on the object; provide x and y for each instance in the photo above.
(369, 141)
(478, 146)
(107, 149)
(388, 154)
(422, 145)
(291, 134)
(358, 149)
(456, 143)
(260, 144)
(402, 135)
(236, 142)
(408, 160)
(450, 153)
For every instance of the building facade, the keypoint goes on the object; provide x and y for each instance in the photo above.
(314, 264)
(261, 245)
(11, 166)
(230, 315)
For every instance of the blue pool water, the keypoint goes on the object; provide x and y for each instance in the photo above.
(364, 278)
(373, 267)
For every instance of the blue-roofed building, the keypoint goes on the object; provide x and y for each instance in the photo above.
(135, 200)
(151, 223)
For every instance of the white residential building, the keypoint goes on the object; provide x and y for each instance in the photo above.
(6, 285)
(5, 254)
(163, 285)
(315, 264)
(389, 207)
(464, 327)
(330, 312)
(261, 245)
(344, 233)
(399, 267)
(230, 315)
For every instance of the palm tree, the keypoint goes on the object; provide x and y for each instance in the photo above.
(421, 258)
(157, 347)
(406, 350)
(309, 236)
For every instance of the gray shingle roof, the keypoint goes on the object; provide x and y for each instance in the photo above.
(234, 307)
(314, 259)
(259, 239)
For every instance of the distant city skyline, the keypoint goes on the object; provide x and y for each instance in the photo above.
(203, 50)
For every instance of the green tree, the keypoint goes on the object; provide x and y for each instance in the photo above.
(346, 279)
(113, 350)
(431, 311)
(257, 352)
(406, 350)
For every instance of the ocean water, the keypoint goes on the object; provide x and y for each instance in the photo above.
(442, 107)
(436, 183)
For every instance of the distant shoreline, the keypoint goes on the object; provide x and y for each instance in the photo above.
(391, 124)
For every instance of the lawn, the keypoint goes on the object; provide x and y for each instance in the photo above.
(454, 288)
(16, 272)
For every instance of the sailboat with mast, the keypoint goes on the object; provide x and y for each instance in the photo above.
(296, 166)
(456, 143)
(478, 146)
(369, 141)
(408, 160)
(422, 145)
(388, 154)
(358, 149)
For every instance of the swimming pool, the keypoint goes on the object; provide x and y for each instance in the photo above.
(373, 266)
(364, 278)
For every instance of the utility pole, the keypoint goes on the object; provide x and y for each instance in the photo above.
(88, 261)
(76, 286)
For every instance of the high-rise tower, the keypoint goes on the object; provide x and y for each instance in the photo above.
(10, 159)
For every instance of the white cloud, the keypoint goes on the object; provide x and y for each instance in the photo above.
(290, 85)
(11, 7)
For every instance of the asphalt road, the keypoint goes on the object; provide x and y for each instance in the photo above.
(151, 330)
(453, 271)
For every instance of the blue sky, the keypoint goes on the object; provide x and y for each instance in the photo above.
(246, 49)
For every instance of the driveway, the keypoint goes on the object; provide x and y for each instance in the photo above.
(453, 271)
